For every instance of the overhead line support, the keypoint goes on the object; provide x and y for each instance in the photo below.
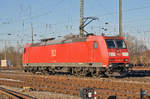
(120, 18)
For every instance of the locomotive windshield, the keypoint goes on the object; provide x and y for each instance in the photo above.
(120, 44)
(115, 43)
(110, 43)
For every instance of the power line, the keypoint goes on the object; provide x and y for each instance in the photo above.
(39, 15)
(137, 20)
(102, 6)
(128, 10)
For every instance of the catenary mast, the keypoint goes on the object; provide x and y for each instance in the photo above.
(120, 18)
(81, 17)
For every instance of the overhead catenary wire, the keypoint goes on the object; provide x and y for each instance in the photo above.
(128, 10)
(57, 4)
(36, 16)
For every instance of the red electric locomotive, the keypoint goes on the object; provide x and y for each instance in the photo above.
(91, 55)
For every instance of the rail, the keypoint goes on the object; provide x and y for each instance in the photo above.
(14, 95)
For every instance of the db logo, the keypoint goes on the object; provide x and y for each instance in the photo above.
(53, 52)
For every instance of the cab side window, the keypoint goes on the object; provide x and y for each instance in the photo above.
(95, 45)
(25, 51)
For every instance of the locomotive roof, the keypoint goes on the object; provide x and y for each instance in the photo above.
(65, 39)
(113, 37)
(68, 39)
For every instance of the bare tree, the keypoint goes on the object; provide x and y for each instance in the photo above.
(136, 50)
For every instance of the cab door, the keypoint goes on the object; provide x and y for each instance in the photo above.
(95, 52)
(26, 55)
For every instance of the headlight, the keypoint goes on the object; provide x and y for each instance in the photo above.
(126, 60)
(125, 54)
(112, 54)
(127, 65)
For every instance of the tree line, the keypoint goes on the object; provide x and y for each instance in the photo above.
(12, 54)
(138, 51)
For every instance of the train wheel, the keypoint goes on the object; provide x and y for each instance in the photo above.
(84, 71)
(124, 72)
(25, 69)
(108, 73)
(52, 72)
(94, 73)
(79, 71)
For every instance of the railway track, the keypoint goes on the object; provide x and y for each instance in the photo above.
(124, 88)
(9, 94)
(72, 85)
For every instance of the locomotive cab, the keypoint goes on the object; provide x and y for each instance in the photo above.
(118, 54)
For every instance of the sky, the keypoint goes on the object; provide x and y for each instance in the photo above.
(53, 18)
